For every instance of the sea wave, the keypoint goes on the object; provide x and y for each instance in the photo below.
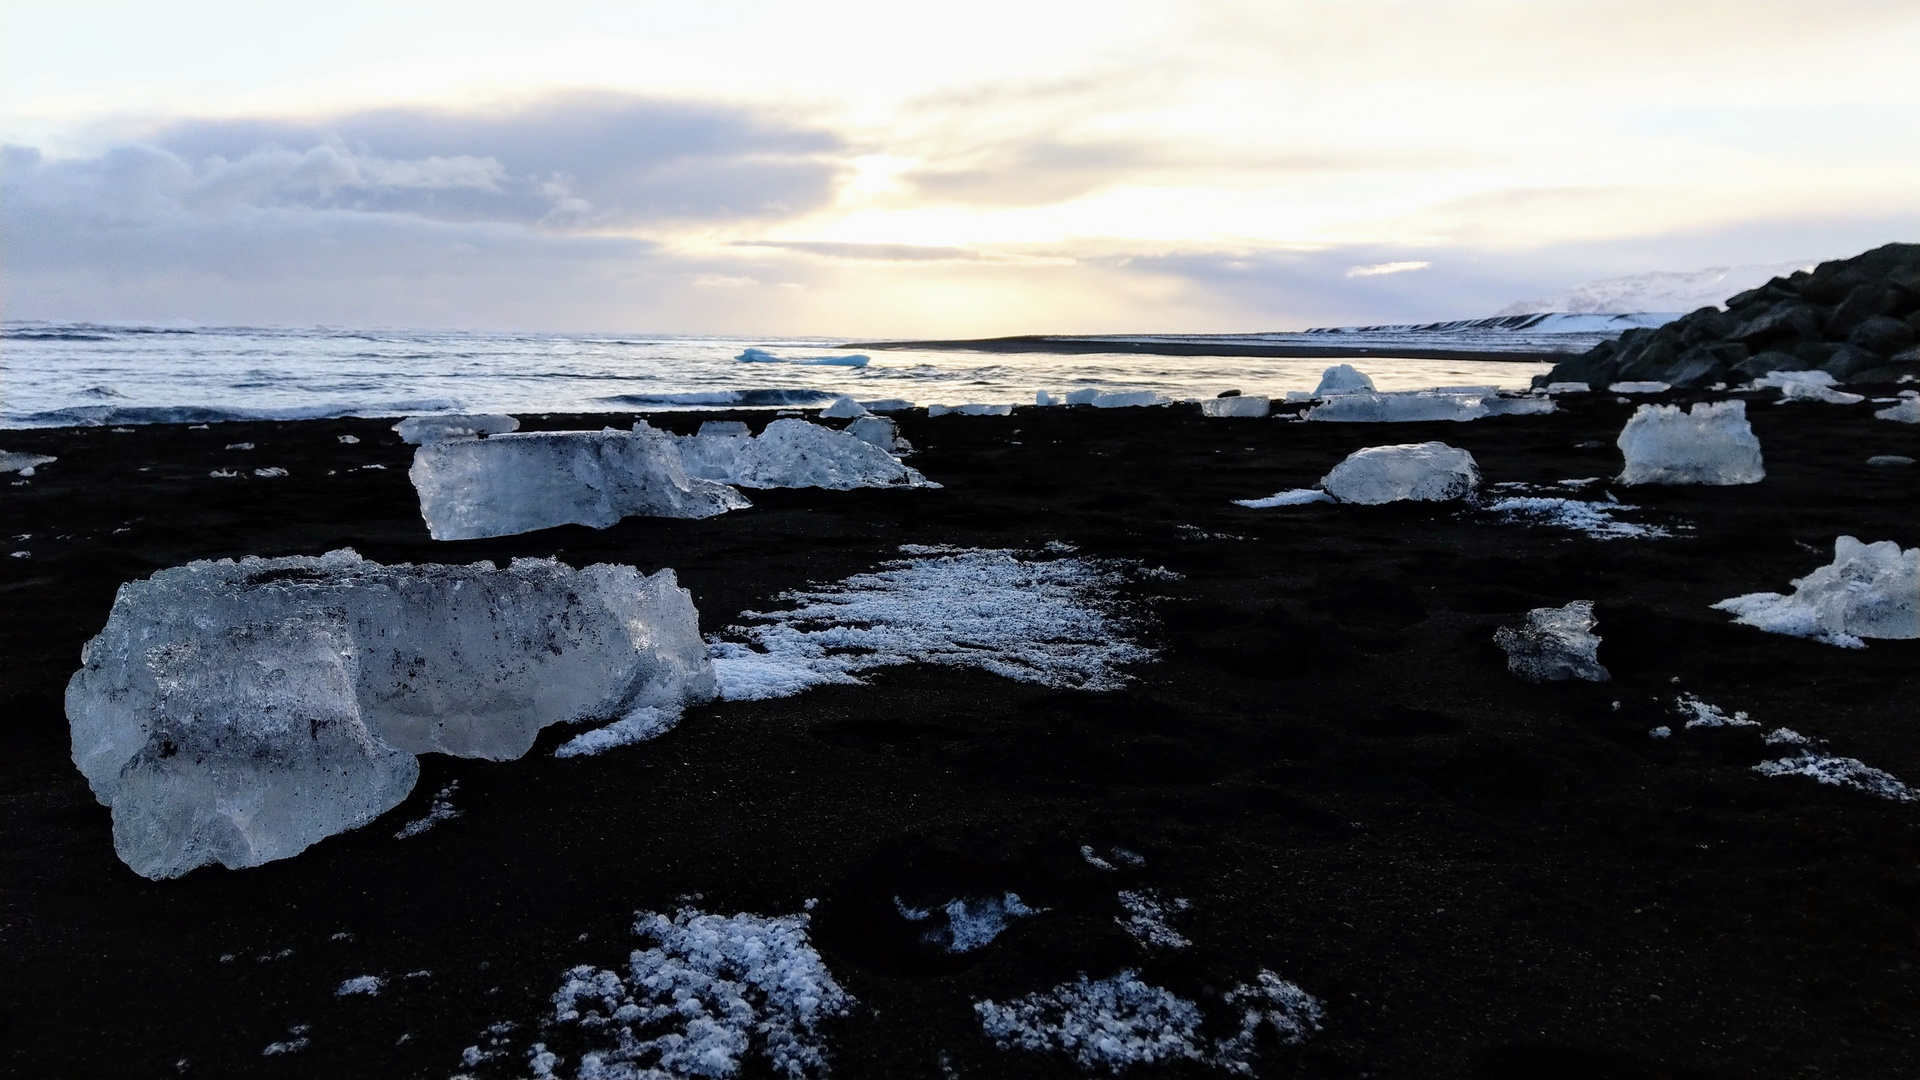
(128, 415)
(749, 399)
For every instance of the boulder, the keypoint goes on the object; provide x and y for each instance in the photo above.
(1882, 334)
(1849, 361)
(1769, 361)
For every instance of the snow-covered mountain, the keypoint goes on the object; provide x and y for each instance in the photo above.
(1658, 290)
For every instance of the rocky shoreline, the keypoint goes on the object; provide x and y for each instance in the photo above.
(1856, 319)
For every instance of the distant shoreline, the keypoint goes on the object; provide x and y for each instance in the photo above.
(1038, 343)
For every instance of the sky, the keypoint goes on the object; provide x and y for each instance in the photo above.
(903, 170)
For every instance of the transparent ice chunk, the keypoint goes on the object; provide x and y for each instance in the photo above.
(1427, 472)
(509, 484)
(420, 430)
(1238, 405)
(1711, 443)
(237, 712)
(1342, 379)
(1557, 643)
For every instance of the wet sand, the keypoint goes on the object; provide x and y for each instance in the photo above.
(1479, 877)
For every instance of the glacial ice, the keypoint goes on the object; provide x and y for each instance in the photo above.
(1120, 1021)
(1712, 443)
(509, 484)
(1427, 472)
(24, 464)
(1360, 407)
(1638, 388)
(706, 994)
(1568, 388)
(1521, 405)
(1557, 643)
(970, 409)
(1343, 379)
(843, 408)
(1042, 621)
(1238, 405)
(966, 924)
(421, 430)
(441, 809)
(1128, 399)
(1867, 591)
(1841, 771)
(1291, 497)
(363, 985)
(238, 712)
(1907, 412)
(892, 404)
(794, 453)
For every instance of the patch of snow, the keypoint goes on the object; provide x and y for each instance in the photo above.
(1251, 405)
(1556, 644)
(1037, 621)
(237, 712)
(441, 809)
(707, 993)
(1426, 472)
(643, 723)
(1845, 772)
(1112, 1024)
(1147, 917)
(423, 430)
(1907, 412)
(516, 483)
(968, 924)
(1710, 444)
(1594, 519)
(1119, 1022)
(1703, 714)
(367, 985)
(1868, 591)
(1665, 291)
(1291, 497)
(1343, 379)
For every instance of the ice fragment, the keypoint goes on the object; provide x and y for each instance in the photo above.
(1556, 644)
(1427, 472)
(1342, 379)
(1710, 444)
(1867, 591)
(421, 430)
(1238, 405)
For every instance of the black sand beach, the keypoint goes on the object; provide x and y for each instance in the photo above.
(1479, 877)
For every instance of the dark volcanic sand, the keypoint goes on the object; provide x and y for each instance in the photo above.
(1480, 877)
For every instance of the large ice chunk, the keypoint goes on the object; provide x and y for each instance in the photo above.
(1712, 443)
(1867, 591)
(239, 711)
(508, 484)
(1237, 405)
(1815, 385)
(420, 430)
(1342, 379)
(794, 453)
(1427, 472)
(1409, 407)
(1128, 399)
(1557, 643)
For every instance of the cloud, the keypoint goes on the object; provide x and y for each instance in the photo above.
(1378, 269)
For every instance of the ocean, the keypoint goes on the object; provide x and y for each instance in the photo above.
(71, 374)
